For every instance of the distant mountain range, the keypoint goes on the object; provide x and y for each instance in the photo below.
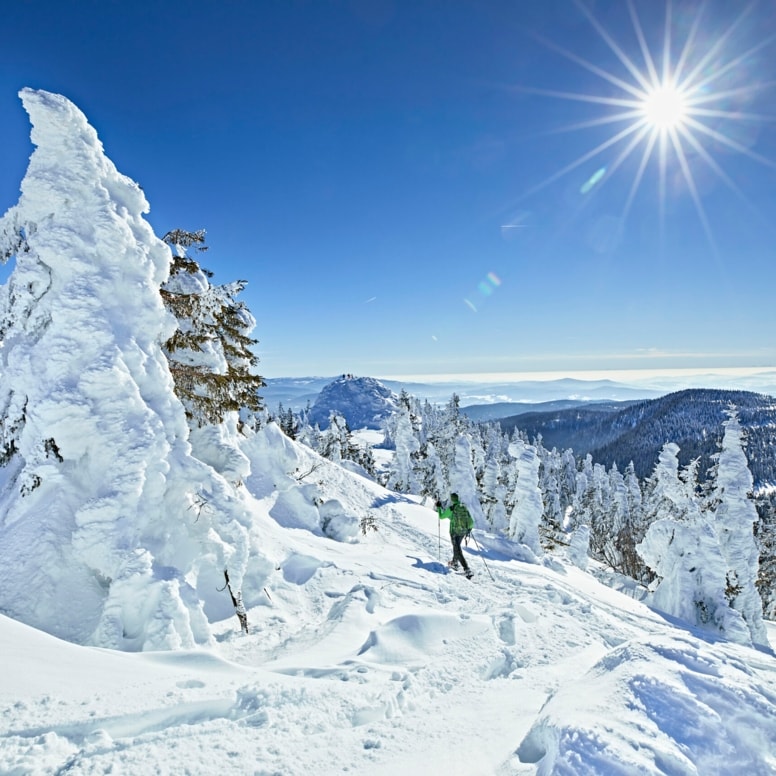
(294, 393)
(611, 431)
(297, 392)
(488, 412)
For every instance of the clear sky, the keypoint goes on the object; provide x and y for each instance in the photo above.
(412, 187)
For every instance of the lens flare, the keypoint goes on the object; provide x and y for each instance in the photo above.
(485, 288)
(590, 183)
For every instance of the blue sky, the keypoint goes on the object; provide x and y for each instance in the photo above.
(386, 175)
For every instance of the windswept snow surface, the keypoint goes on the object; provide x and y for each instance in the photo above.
(367, 657)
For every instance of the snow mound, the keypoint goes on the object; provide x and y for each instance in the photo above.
(412, 637)
(657, 705)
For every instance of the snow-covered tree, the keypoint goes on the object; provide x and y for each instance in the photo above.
(402, 475)
(463, 479)
(119, 537)
(335, 440)
(682, 549)
(338, 444)
(493, 490)
(431, 473)
(584, 503)
(210, 353)
(445, 430)
(766, 538)
(527, 511)
(551, 529)
(734, 520)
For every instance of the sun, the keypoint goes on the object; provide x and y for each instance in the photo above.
(665, 107)
(678, 107)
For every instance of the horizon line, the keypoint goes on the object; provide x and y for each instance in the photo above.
(636, 373)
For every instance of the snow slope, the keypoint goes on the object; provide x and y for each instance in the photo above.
(368, 657)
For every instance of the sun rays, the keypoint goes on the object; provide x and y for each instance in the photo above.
(671, 108)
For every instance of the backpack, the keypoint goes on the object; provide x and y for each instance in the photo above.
(461, 522)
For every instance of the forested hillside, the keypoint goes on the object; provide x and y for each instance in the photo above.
(484, 413)
(692, 419)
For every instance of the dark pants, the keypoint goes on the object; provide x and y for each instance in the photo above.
(458, 552)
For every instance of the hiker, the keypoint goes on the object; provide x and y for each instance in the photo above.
(461, 524)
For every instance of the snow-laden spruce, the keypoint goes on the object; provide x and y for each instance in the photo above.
(111, 532)
(734, 519)
(528, 509)
(706, 563)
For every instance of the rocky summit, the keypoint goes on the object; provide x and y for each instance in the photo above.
(363, 401)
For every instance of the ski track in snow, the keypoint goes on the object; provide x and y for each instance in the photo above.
(371, 658)
(363, 658)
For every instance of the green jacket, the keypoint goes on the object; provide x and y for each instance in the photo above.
(461, 522)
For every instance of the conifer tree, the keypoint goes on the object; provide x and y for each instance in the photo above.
(462, 477)
(631, 531)
(493, 492)
(734, 520)
(432, 473)
(335, 440)
(683, 550)
(526, 514)
(609, 515)
(402, 476)
(98, 464)
(210, 353)
(338, 444)
(449, 425)
(766, 537)
(584, 504)
(551, 529)
(289, 423)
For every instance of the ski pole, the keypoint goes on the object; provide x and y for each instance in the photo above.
(482, 555)
(439, 532)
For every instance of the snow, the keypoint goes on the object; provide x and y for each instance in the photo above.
(367, 657)
(364, 654)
